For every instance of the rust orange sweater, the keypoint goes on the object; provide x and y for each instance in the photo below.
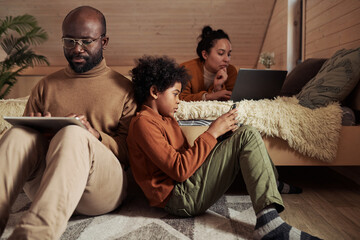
(160, 155)
(195, 88)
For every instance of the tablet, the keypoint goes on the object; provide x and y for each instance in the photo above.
(44, 124)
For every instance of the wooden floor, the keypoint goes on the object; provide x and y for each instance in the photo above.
(329, 206)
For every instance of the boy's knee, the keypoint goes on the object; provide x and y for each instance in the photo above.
(249, 129)
(247, 133)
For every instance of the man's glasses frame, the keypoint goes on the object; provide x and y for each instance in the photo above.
(70, 43)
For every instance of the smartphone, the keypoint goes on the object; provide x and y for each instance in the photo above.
(228, 133)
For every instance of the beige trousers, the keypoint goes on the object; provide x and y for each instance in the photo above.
(72, 172)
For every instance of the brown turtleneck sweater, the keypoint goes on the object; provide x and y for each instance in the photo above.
(104, 96)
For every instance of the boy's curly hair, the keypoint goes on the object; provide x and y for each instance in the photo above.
(162, 72)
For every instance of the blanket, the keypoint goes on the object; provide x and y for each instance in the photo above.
(311, 132)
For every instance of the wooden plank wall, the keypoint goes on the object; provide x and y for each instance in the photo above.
(330, 26)
(327, 27)
(157, 27)
(276, 36)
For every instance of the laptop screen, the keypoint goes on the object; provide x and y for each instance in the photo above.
(257, 84)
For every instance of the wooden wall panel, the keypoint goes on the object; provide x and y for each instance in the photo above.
(157, 27)
(276, 36)
(330, 26)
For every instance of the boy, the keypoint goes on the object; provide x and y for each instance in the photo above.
(185, 180)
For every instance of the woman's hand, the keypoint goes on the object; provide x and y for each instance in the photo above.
(220, 78)
(224, 123)
(88, 126)
(222, 95)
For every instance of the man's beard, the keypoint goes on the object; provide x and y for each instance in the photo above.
(89, 64)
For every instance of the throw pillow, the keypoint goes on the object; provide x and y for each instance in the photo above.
(301, 75)
(335, 80)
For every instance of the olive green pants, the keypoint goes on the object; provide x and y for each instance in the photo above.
(243, 151)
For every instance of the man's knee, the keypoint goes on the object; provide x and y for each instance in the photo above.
(72, 141)
(23, 135)
(72, 133)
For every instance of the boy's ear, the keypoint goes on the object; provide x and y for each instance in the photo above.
(154, 92)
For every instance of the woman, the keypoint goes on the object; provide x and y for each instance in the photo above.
(213, 78)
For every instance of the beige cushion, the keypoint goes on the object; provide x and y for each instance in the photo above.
(11, 107)
(336, 79)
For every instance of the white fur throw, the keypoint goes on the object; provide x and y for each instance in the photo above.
(312, 132)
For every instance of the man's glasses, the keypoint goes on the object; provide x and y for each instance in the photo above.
(71, 42)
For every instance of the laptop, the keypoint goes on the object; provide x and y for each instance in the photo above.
(257, 84)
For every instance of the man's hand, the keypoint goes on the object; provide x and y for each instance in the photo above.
(88, 126)
(39, 114)
(220, 78)
(47, 135)
(224, 123)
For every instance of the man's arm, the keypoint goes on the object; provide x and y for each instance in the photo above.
(34, 104)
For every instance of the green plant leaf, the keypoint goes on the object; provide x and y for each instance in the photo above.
(19, 54)
(21, 24)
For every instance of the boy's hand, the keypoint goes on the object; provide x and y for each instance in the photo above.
(224, 123)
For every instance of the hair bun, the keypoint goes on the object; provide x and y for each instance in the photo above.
(206, 31)
(207, 39)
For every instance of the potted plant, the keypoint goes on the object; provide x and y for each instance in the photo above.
(17, 34)
(267, 59)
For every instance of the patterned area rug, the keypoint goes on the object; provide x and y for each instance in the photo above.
(232, 217)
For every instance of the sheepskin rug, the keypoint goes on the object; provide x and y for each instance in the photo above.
(312, 132)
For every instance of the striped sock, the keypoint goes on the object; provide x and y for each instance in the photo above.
(269, 225)
(285, 188)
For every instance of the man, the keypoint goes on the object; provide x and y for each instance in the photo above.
(77, 170)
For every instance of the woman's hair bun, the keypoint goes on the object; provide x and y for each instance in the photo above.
(208, 38)
(206, 31)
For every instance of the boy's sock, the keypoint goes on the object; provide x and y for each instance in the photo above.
(285, 188)
(269, 225)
